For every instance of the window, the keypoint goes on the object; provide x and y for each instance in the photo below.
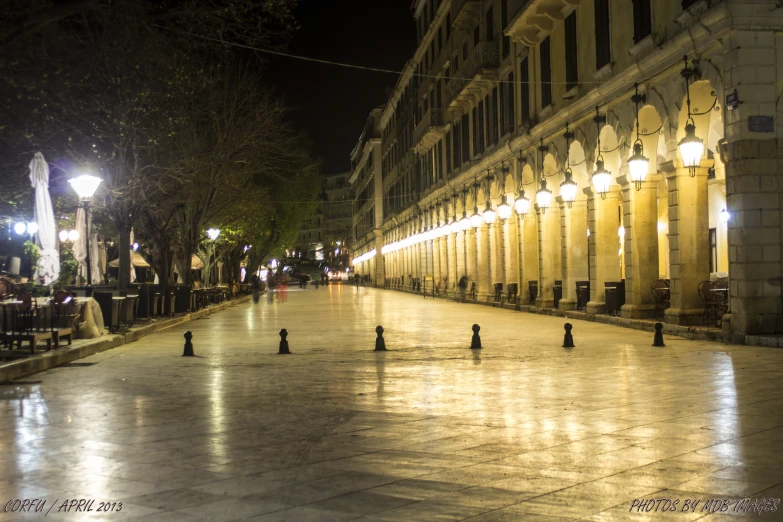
(713, 250)
(476, 35)
(448, 26)
(465, 140)
(494, 101)
(546, 74)
(490, 26)
(603, 52)
(439, 161)
(440, 38)
(475, 130)
(504, 22)
(642, 20)
(687, 3)
(510, 102)
(448, 153)
(464, 51)
(480, 127)
(572, 67)
(524, 82)
(457, 147)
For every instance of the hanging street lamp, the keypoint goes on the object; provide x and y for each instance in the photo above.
(602, 178)
(638, 164)
(691, 146)
(568, 187)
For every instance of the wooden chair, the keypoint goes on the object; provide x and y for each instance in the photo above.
(63, 312)
(712, 301)
(25, 324)
(661, 294)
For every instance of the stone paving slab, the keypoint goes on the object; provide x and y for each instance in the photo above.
(430, 430)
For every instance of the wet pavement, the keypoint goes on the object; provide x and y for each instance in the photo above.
(430, 430)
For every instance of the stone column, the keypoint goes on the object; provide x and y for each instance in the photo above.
(459, 241)
(604, 219)
(444, 262)
(482, 272)
(640, 219)
(688, 244)
(380, 268)
(530, 255)
(494, 256)
(549, 255)
(576, 267)
(512, 250)
(471, 255)
(452, 259)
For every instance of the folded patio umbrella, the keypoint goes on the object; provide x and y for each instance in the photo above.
(49, 264)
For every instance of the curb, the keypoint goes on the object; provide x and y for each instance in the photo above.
(46, 360)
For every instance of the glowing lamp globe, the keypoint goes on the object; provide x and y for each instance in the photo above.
(85, 186)
(475, 219)
(504, 209)
(20, 228)
(74, 235)
(691, 148)
(455, 226)
(32, 227)
(63, 235)
(543, 197)
(568, 189)
(464, 223)
(213, 233)
(601, 179)
(724, 216)
(489, 214)
(638, 164)
(522, 204)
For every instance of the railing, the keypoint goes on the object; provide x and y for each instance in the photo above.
(485, 55)
(516, 8)
(433, 118)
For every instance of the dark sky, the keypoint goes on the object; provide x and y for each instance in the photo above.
(331, 103)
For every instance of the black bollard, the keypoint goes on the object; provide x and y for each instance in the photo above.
(658, 339)
(188, 345)
(475, 342)
(568, 340)
(283, 342)
(380, 344)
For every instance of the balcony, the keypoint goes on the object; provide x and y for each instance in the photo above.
(474, 74)
(530, 21)
(429, 130)
(465, 14)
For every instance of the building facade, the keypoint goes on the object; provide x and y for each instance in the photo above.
(574, 146)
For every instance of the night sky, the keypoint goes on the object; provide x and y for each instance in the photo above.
(330, 103)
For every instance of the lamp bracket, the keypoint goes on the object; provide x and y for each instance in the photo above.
(639, 98)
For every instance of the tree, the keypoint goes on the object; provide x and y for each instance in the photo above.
(95, 83)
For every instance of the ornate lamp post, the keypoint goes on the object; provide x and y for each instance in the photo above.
(213, 234)
(638, 164)
(691, 146)
(602, 178)
(568, 187)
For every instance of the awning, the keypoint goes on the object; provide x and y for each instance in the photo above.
(196, 263)
(136, 261)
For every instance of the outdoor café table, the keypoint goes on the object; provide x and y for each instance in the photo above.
(90, 318)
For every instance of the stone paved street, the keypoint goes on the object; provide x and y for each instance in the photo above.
(430, 430)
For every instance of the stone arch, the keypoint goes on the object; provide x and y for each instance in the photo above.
(578, 162)
(704, 103)
(610, 149)
(650, 129)
(551, 174)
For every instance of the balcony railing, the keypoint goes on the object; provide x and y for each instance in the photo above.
(432, 119)
(516, 8)
(464, 13)
(484, 56)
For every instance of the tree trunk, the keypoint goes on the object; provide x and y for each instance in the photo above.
(123, 277)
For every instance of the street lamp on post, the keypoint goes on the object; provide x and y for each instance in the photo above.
(213, 234)
(85, 186)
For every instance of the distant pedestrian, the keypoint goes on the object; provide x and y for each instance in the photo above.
(463, 287)
(255, 284)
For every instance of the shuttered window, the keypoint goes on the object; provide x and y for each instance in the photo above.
(510, 102)
(546, 73)
(603, 51)
(465, 125)
(571, 62)
(524, 82)
(504, 22)
(494, 100)
(642, 20)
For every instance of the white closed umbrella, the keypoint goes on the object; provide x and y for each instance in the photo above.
(132, 269)
(95, 260)
(80, 245)
(49, 265)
